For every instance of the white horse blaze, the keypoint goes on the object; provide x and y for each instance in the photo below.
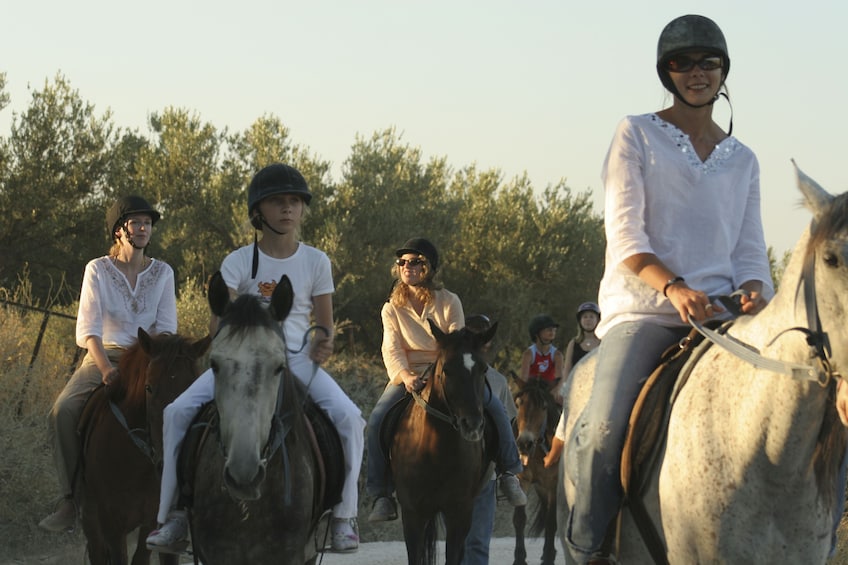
(468, 361)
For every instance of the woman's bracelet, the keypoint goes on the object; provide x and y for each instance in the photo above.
(670, 282)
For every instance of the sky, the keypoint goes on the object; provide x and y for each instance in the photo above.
(532, 86)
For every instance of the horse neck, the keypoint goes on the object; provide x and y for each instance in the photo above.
(792, 411)
(785, 310)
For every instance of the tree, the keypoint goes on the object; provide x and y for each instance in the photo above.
(52, 194)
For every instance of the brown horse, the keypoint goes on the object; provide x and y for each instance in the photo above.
(256, 481)
(534, 427)
(438, 457)
(122, 445)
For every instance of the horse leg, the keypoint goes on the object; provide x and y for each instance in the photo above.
(549, 549)
(519, 521)
(417, 532)
(455, 535)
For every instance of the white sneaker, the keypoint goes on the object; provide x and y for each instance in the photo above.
(345, 533)
(172, 536)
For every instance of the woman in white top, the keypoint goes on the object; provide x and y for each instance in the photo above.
(121, 292)
(682, 218)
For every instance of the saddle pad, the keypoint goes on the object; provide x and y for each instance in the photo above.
(648, 417)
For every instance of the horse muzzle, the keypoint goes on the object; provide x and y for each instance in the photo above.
(471, 429)
(244, 482)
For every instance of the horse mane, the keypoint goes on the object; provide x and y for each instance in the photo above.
(828, 224)
(247, 312)
(129, 385)
(830, 448)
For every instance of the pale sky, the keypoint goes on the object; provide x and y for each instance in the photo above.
(535, 86)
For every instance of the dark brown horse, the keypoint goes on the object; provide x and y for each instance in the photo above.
(122, 445)
(534, 426)
(438, 458)
(256, 485)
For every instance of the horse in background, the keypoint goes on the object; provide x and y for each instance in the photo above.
(122, 445)
(256, 486)
(438, 457)
(749, 469)
(534, 426)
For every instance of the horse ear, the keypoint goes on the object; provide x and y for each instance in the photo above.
(218, 294)
(144, 340)
(199, 347)
(434, 329)
(816, 197)
(482, 339)
(282, 299)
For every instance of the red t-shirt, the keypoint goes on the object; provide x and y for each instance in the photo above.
(542, 366)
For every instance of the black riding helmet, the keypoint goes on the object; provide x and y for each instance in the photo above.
(690, 33)
(126, 206)
(273, 179)
(423, 247)
(276, 179)
(539, 323)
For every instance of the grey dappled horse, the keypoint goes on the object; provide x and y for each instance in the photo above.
(748, 471)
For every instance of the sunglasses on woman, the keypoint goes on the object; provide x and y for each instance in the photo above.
(400, 262)
(685, 63)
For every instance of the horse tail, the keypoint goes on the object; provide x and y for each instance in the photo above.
(428, 545)
(537, 527)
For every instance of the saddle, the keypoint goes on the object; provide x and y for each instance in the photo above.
(322, 436)
(648, 419)
(394, 414)
(647, 428)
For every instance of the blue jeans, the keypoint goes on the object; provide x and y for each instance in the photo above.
(627, 355)
(379, 483)
(482, 522)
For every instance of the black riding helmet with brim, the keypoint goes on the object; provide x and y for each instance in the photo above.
(423, 247)
(276, 179)
(690, 33)
(127, 206)
(539, 323)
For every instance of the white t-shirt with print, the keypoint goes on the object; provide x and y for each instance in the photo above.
(308, 270)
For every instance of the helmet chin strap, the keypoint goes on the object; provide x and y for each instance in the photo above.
(266, 224)
(710, 103)
(255, 266)
(129, 238)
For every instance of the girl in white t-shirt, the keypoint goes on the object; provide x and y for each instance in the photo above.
(278, 197)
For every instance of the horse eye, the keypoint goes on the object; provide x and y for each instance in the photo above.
(830, 259)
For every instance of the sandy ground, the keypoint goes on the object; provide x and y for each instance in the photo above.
(394, 553)
(376, 553)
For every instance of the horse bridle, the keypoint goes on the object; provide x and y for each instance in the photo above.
(449, 417)
(541, 440)
(821, 373)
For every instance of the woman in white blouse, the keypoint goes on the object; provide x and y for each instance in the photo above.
(121, 292)
(682, 217)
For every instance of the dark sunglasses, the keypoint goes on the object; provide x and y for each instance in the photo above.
(685, 63)
(400, 262)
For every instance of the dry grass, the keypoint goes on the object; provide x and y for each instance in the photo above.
(28, 486)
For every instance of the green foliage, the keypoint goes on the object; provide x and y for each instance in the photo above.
(507, 250)
(52, 188)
